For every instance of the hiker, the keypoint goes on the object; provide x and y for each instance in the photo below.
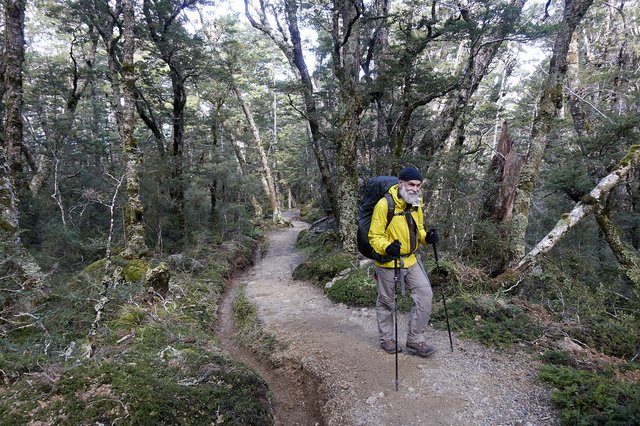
(400, 238)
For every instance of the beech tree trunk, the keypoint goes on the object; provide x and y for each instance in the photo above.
(161, 20)
(134, 212)
(346, 67)
(242, 163)
(176, 184)
(503, 178)
(550, 102)
(12, 97)
(20, 274)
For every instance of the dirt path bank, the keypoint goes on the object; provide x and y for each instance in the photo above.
(338, 347)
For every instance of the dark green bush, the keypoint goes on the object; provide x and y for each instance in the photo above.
(318, 242)
(592, 398)
(619, 337)
(558, 358)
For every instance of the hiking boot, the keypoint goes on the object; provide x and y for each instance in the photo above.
(420, 349)
(390, 347)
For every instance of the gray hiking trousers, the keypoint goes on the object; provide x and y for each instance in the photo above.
(418, 284)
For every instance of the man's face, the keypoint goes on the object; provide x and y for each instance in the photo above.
(409, 190)
(411, 186)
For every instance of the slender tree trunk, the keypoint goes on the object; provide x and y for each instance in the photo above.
(548, 105)
(176, 184)
(296, 58)
(268, 182)
(57, 133)
(134, 211)
(148, 117)
(160, 19)
(122, 78)
(242, 163)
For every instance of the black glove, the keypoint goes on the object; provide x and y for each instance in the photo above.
(432, 236)
(393, 249)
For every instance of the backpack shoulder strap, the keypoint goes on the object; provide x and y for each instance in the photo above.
(391, 208)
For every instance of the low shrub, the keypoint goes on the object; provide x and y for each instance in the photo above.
(154, 361)
(618, 337)
(496, 323)
(592, 397)
(356, 289)
(320, 270)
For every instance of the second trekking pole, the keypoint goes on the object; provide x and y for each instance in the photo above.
(446, 314)
(396, 278)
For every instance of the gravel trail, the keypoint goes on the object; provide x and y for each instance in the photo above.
(337, 348)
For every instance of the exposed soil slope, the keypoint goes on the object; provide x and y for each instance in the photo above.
(338, 346)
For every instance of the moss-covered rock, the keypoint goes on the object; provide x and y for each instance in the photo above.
(134, 270)
(158, 278)
(96, 267)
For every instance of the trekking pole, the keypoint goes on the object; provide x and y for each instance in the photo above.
(446, 314)
(396, 278)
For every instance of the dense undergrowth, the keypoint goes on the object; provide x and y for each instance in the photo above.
(153, 360)
(600, 383)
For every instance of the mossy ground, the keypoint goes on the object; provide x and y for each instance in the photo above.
(154, 360)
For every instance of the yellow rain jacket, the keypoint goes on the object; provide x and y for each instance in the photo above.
(381, 235)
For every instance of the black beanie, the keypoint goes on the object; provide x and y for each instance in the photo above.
(410, 173)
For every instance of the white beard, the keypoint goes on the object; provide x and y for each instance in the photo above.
(413, 199)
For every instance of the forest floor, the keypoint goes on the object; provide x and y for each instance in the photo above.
(333, 371)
